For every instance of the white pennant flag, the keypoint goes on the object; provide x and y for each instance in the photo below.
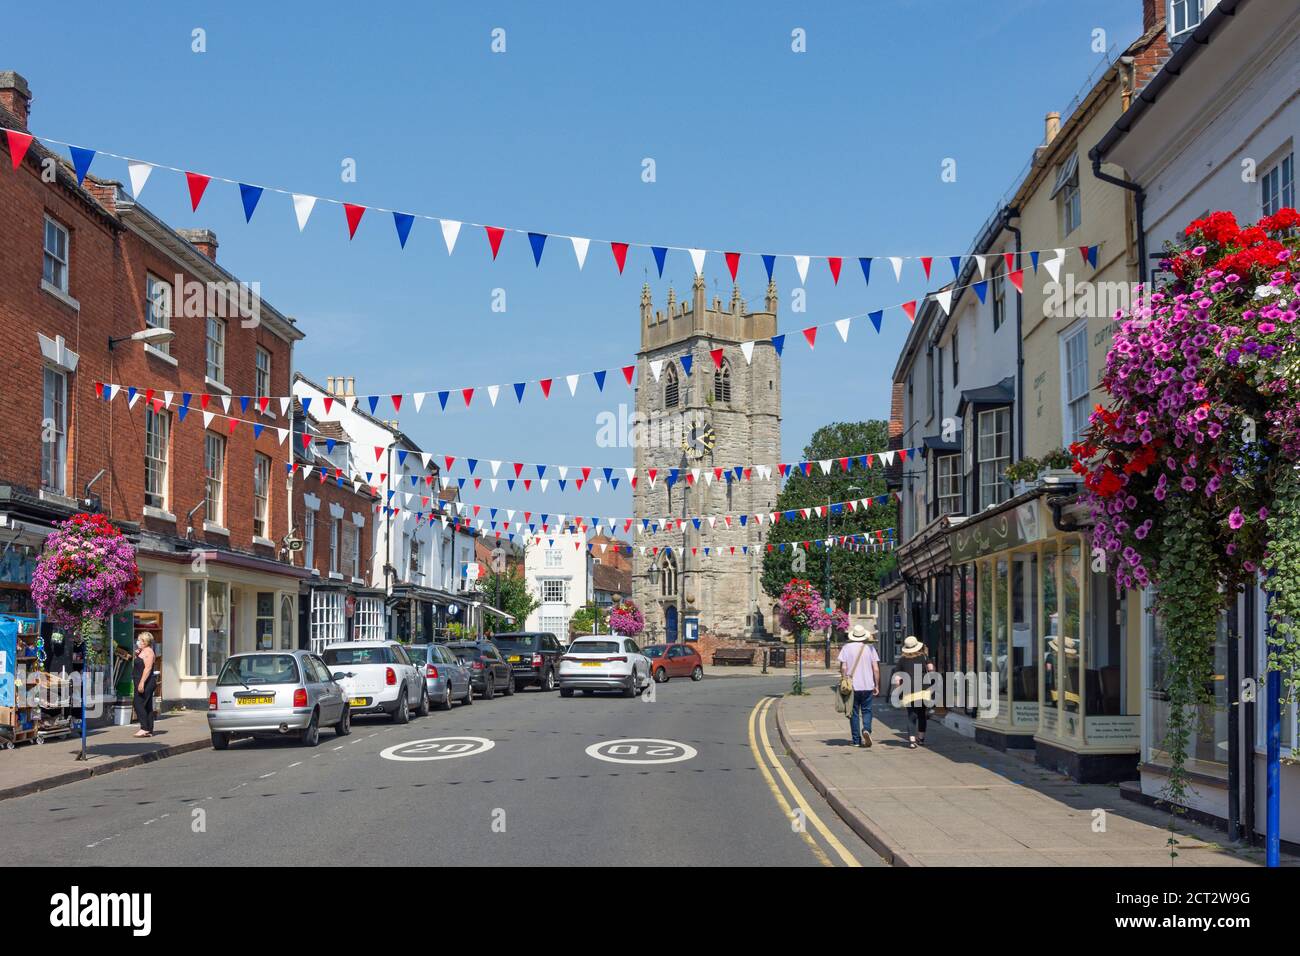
(979, 264)
(887, 457)
(580, 249)
(225, 403)
(139, 176)
(284, 405)
(573, 384)
(207, 418)
(1053, 266)
(283, 433)
(563, 470)
(597, 482)
(418, 398)
(897, 263)
(493, 392)
(307, 470)
(167, 399)
(801, 263)
(450, 230)
(545, 483)
(697, 259)
(134, 398)
(493, 482)
(825, 465)
(496, 466)
(425, 458)
(302, 207)
(842, 326)
(656, 367)
(944, 298)
(748, 349)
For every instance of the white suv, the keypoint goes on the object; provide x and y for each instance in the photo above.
(378, 676)
(607, 662)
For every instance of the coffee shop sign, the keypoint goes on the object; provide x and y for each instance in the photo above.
(1009, 529)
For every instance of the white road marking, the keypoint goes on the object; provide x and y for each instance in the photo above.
(438, 748)
(641, 750)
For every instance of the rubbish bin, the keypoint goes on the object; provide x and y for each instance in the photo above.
(776, 655)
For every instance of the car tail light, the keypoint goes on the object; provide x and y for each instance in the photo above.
(430, 672)
(390, 678)
(537, 660)
(616, 660)
(300, 697)
(212, 701)
(477, 665)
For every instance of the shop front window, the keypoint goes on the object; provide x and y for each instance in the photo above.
(207, 640)
(984, 575)
(288, 610)
(1001, 638)
(1024, 658)
(368, 619)
(327, 625)
(1207, 743)
(1050, 641)
(1068, 644)
(265, 621)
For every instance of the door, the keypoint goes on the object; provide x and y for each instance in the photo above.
(329, 696)
(670, 623)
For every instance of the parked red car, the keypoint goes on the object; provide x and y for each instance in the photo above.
(674, 660)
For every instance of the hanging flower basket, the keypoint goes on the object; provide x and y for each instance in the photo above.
(626, 620)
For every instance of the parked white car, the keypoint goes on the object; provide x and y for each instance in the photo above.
(606, 662)
(378, 677)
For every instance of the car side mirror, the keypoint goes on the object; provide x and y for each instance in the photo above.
(339, 675)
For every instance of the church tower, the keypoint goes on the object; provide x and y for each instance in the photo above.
(693, 417)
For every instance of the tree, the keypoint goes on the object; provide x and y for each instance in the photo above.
(582, 620)
(515, 599)
(854, 574)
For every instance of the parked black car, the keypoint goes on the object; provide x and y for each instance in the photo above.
(488, 670)
(533, 655)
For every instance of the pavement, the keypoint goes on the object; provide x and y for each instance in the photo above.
(692, 777)
(32, 767)
(954, 802)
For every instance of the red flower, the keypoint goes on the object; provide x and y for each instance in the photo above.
(1280, 221)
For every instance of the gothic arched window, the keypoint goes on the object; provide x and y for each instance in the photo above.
(668, 576)
(672, 389)
(722, 382)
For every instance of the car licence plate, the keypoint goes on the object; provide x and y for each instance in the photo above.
(254, 700)
(514, 659)
(591, 663)
(359, 702)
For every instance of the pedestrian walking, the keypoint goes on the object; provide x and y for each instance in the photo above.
(909, 680)
(860, 674)
(144, 680)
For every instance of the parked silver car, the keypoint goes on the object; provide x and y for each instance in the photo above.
(276, 693)
(445, 676)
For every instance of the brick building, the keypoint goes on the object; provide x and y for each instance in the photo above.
(83, 268)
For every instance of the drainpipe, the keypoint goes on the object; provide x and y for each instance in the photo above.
(1139, 205)
(1009, 213)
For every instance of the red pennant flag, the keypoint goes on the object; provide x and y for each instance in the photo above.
(99, 389)
(494, 234)
(329, 403)
(902, 455)
(198, 183)
(379, 453)
(397, 402)
(1083, 251)
(910, 309)
(157, 406)
(748, 472)
(586, 473)
(1010, 259)
(233, 423)
(306, 439)
(634, 481)
(733, 263)
(449, 460)
(628, 370)
(1017, 279)
(835, 262)
(18, 145)
(926, 262)
(844, 463)
(478, 483)
(519, 466)
(717, 357)
(148, 396)
(354, 214)
(578, 482)
(810, 334)
(528, 484)
(652, 473)
(620, 254)
(546, 387)
(467, 394)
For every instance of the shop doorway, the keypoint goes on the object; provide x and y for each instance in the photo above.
(670, 623)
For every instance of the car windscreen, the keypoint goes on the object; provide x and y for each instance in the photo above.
(259, 669)
(513, 645)
(379, 654)
(594, 647)
(653, 651)
(465, 653)
(418, 653)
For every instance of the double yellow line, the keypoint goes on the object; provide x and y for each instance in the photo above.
(765, 757)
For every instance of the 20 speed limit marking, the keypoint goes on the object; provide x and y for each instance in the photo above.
(642, 750)
(438, 748)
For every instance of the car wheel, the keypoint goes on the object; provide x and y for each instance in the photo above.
(344, 726)
(661, 675)
(566, 691)
(512, 686)
(423, 709)
(401, 713)
(445, 703)
(469, 694)
(220, 740)
(548, 681)
(698, 673)
(630, 689)
(311, 736)
(489, 689)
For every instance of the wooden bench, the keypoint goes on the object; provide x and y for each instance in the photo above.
(733, 655)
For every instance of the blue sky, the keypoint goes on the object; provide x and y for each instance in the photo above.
(834, 151)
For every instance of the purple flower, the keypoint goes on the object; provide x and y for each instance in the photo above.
(1236, 519)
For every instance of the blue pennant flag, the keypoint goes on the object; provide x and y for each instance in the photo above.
(781, 546)
(329, 445)
(865, 262)
(876, 318)
(415, 480)
(672, 477)
(660, 253)
(613, 483)
(545, 519)
(519, 391)
(744, 520)
(696, 522)
(401, 457)
(374, 402)
(541, 471)
(686, 364)
(185, 400)
(403, 221)
(1033, 259)
(837, 509)
(181, 411)
(472, 463)
(981, 290)
(442, 399)
(608, 472)
(744, 549)
(538, 241)
(600, 379)
(956, 265)
(563, 482)
(739, 472)
(81, 160)
(768, 263)
(645, 523)
(243, 404)
(862, 460)
(789, 516)
(306, 403)
(706, 551)
(510, 484)
(1092, 256)
(493, 512)
(390, 494)
(778, 342)
(250, 195)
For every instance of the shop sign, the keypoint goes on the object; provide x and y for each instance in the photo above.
(976, 538)
(1114, 730)
(1024, 712)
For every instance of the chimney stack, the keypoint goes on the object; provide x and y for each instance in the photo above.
(204, 240)
(1153, 14)
(329, 385)
(1051, 126)
(15, 95)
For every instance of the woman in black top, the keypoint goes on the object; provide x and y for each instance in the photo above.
(913, 664)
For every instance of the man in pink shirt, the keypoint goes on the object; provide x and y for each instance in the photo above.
(860, 662)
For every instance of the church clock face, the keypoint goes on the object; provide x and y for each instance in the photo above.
(700, 441)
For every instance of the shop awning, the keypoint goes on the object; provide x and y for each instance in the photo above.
(1003, 393)
(936, 443)
(499, 615)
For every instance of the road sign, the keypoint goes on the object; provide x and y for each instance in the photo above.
(438, 748)
(641, 750)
